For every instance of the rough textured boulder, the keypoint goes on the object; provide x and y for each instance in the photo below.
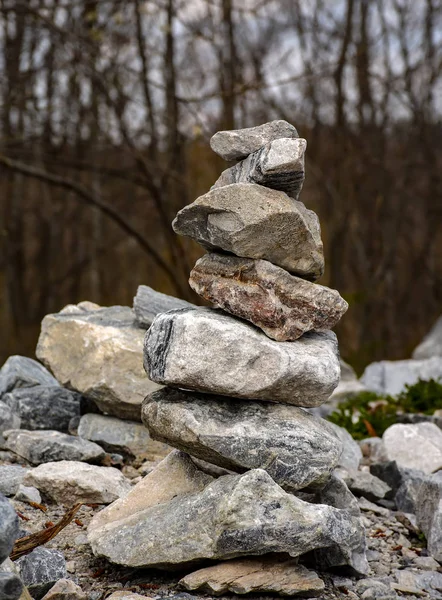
(23, 372)
(431, 345)
(391, 376)
(68, 482)
(416, 446)
(266, 575)
(46, 446)
(253, 221)
(206, 350)
(227, 519)
(278, 165)
(239, 143)
(9, 527)
(282, 305)
(149, 303)
(44, 407)
(295, 448)
(41, 569)
(97, 352)
(114, 435)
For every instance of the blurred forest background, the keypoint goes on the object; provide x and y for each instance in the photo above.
(106, 110)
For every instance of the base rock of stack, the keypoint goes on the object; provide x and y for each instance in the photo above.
(238, 144)
(253, 221)
(295, 448)
(282, 305)
(233, 516)
(278, 165)
(206, 350)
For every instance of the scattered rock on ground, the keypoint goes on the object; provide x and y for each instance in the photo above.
(391, 376)
(252, 221)
(65, 589)
(294, 447)
(282, 305)
(363, 483)
(27, 494)
(11, 477)
(8, 527)
(149, 303)
(223, 520)
(206, 350)
(40, 569)
(68, 482)
(239, 143)
(266, 575)
(416, 446)
(98, 353)
(23, 372)
(44, 407)
(114, 435)
(47, 446)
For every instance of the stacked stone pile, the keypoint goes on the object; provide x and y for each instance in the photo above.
(252, 474)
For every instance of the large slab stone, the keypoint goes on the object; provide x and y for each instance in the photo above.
(278, 165)
(253, 221)
(391, 376)
(295, 448)
(233, 516)
(206, 350)
(266, 575)
(44, 407)
(282, 305)
(417, 446)
(431, 345)
(239, 143)
(47, 446)
(69, 481)
(97, 352)
(149, 303)
(23, 372)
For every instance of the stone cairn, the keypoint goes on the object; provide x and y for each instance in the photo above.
(253, 471)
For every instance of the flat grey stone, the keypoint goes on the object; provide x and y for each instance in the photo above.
(9, 527)
(295, 448)
(336, 493)
(23, 372)
(40, 569)
(27, 494)
(11, 477)
(431, 345)
(46, 446)
(149, 303)
(278, 165)
(373, 589)
(391, 376)
(407, 494)
(114, 435)
(282, 305)
(44, 407)
(363, 483)
(239, 143)
(206, 350)
(8, 418)
(233, 516)
(253, 221)
(417, 446)
(68, 482)
(429, 513)
(98, 352)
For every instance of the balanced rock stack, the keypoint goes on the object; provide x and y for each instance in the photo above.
(252, 473)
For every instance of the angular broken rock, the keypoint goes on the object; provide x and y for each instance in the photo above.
(253, 221)
(148, 303)
(233, 516)
(97, 352)
(282, 305)
(204, 349)
(429, 513)
(295, 448)
(266, 575)
(239, 143)
(23, 372)
(46, 446)
(68, 482)
(417, 446)
(278, 165)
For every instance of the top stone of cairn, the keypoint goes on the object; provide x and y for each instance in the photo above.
(239, 143)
